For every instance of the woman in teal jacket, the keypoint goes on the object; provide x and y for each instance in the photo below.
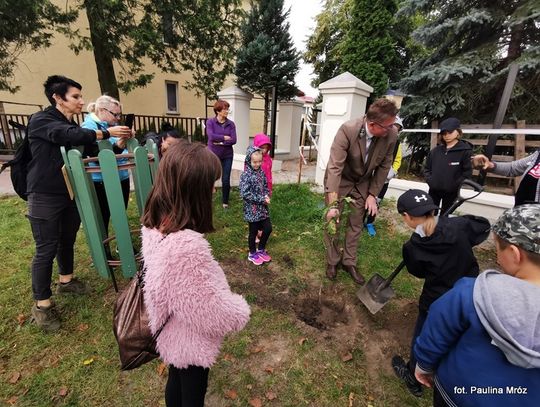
(106, 111)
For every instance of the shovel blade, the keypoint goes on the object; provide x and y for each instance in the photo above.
(372, 296)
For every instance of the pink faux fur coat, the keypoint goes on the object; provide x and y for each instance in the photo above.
(183, 279)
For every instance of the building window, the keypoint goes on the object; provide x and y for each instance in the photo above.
(172, 96)
(168, 29)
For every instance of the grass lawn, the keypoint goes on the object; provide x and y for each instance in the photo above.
(309, 341)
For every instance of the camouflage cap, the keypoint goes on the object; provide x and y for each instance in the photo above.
(520, 226)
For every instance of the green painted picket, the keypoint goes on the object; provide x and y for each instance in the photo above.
(78, 175)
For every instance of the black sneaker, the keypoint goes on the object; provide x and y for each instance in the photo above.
(46, 318)
(75, 286)
(402, 371)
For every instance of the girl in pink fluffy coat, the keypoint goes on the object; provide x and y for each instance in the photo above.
(185, 289)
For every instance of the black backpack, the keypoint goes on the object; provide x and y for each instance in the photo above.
(19, 167)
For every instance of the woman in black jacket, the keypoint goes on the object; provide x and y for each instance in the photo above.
(439, 251)
(53, 215)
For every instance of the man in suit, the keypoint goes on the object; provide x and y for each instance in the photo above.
(360, 158)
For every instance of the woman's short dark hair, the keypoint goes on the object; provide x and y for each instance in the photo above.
(181, 197)
(59, 84)
(220, 105)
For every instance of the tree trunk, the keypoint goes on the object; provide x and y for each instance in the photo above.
(104, 61)
(514, 46)
(266, 111)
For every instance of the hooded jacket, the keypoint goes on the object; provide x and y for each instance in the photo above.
(445, 256)
(253, 190)
(185, 282)
(260, 140)
(446, 169)
(483, 336)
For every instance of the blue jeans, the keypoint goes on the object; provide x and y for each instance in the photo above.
(226, 166)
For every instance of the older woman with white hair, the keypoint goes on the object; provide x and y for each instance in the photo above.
(106, 111)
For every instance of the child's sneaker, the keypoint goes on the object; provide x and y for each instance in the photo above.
(264, 256)
(371, 229)
(255, 258)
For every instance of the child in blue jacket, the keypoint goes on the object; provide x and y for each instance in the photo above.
(254, 191)
(480, 345)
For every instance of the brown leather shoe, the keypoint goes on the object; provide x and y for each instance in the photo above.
(356, 276)
(331, 271)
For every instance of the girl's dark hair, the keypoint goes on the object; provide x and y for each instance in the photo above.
(181, 197)
(59, 84)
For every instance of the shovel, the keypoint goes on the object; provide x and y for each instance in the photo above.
(377, 291)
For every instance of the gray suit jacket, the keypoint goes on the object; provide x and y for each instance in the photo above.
(347, 173)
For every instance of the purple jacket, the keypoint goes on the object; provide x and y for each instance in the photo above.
(185, 281)
(216, 143)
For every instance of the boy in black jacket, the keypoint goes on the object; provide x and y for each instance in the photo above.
(448, 164)
(440, 251)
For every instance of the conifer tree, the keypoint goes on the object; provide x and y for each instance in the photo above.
(267, 56)
(368, 47)
(471, 45)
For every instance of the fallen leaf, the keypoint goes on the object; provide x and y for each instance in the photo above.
(370, 397)
(269, 369)
(21, 319)
(257, 349)
(12, 400)
(270, 395)
(249, 386)
(161, 368)
(14, 377)
(301, 341)
(347, 357)
(82, 327)
(255, 402)
(228, 357)
(231, 394)
(88, 361)
(351, 399)
(63, 391)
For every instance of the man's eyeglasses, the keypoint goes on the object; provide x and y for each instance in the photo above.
(116, 115)
(387, 128)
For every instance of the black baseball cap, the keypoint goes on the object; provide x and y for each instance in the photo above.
(449, 125)
(415, 202)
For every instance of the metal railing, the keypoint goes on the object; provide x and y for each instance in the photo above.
(12, 127)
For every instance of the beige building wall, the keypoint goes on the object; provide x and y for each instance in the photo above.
(34, 67)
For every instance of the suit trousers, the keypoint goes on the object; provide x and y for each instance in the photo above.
(354, 228)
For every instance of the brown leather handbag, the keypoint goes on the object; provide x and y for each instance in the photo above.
(136, 343)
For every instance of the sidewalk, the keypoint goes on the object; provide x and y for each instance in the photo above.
(287, 175)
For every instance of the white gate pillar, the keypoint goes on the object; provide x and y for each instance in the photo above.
(344, 98)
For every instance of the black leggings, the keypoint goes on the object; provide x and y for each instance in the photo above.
(186, 387)
(266, 226)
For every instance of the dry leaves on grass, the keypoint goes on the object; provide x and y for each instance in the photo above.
(21, 319)
(82, 327)
(12, 400)
(271, 395)
(347, 357)
(63, 391)
(228, 357)
(87, 362)
(269, 369)
(351, 399)
(15, 377)
(301, 341)
(257, 349)
(256, 402)
(161, 369)
(231, 394)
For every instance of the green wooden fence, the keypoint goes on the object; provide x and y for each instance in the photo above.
(142, 163)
